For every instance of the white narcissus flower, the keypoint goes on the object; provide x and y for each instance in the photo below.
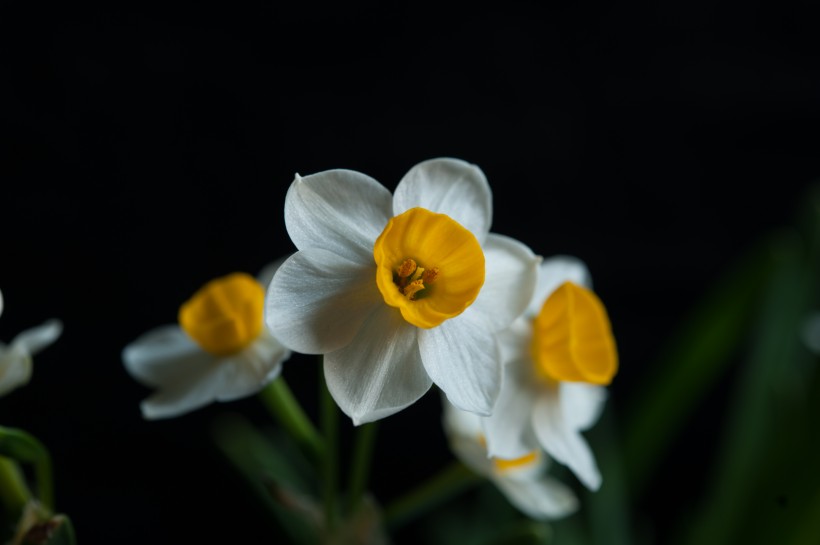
(399, 292)
(15, 358)
(558, 357)
(522, 480)
(219, 351)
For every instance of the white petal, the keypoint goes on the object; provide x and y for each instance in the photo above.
(380, 372)
(509, 281)
(509, 429)
(37, 338)
(318, 301)
(542, 499)
(515, 341)
(249, 371)
(472, 454)
(582, 403)
(461, 423)
(553, 272)
(266, 274)
(15, 368)
(462, 357)
(187, 378)
(342, 211)
(448, 186)
(201, 386)
(165, 357)
(566, 445)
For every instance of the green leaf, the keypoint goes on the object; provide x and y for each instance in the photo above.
(608, 509)
(750, 426)
(765, 469)
(23, 447)
(695, 359)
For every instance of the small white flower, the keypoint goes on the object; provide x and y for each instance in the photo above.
(399, 292)
(522, 480)
(219, 351)
(15, 358)
(558, 357)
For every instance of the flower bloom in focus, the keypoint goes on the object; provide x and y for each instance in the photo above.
(559, 356)
(399, 291)
(219, 350)
(522, 480)
(16, 358)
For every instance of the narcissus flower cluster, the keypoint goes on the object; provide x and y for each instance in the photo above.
(398, 292)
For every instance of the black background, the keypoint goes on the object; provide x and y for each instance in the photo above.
(145, 149)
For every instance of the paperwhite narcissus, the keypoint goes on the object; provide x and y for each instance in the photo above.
(15, 358)
(219, 351)
(558, 357)
(522, 480)
(399, 292)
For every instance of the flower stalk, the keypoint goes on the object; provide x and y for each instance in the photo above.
(447, 483)
(360, 470)
(282, 404)
(330, 467)
(14, 492)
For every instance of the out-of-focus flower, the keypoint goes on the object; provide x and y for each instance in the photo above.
(558, 357)
(523, 480)
(399, 292)
(219, 351)
(16, 357)
(810, 332)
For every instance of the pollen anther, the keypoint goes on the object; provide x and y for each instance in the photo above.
(406, 268)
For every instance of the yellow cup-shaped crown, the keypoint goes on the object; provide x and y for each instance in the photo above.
(428, 266)
(225, 315)
(572, 337)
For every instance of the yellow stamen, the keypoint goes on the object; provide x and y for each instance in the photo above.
(506, 465)
(430, 275)
(572, 338)
(411, 289)
(444, 253)
(225, 315)
(406, 268)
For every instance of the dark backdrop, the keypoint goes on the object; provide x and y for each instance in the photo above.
(145, 149)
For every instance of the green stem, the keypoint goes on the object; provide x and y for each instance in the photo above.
(45, 481)
(14, 492)
(330, 469)
(286, 409)
(446, 484)
(362, 455)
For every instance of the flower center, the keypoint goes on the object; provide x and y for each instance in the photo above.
(225, 315)
(572, 338)
(428, 266)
